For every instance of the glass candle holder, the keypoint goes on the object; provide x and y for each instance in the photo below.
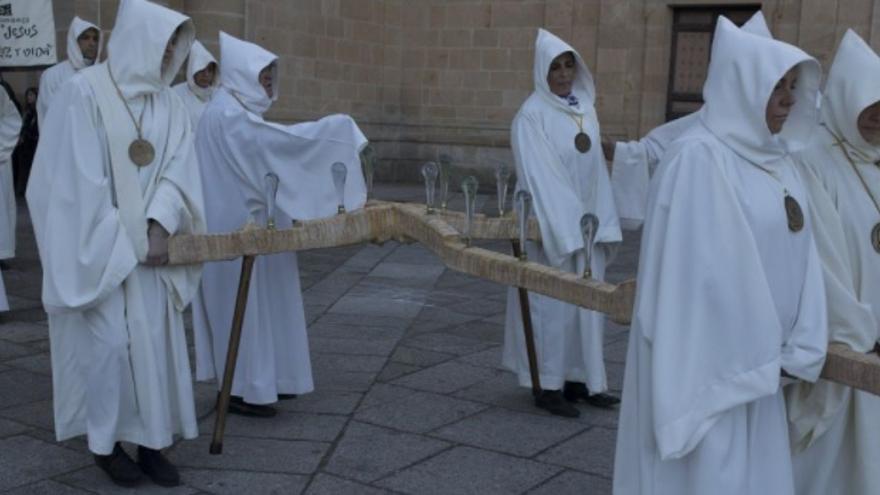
(271, 190)
(589, 227)
(430, 172)
(340, 172)
(523, 204)
(445, 170)
(469, 187)
(502, 178)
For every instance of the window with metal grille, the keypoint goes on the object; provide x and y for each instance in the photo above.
(692, 31)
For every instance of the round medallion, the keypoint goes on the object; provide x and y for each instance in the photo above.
(141, 152)
(794, 214)
(875, 237)
(582, 142)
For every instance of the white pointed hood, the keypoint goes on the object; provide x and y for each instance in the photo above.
(757, 24)
(74, 54)
(743, 71)
(547, 47)
(852, 85)
(137, 46)
(242, 62)
(199, 59)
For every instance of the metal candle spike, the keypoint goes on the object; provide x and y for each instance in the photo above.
(502, 177)
(445, 166)
(589, 227)
(469, 187)
(429, 172)
(271, 183)
(339, 171)
(368, 165)
(523, 200)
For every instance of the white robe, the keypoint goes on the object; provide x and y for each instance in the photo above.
(236, 149)
(54, 77)
(194, 96)
(835, 434)
(727, 295)
(119, 357)
(565, 184)
(10, 126)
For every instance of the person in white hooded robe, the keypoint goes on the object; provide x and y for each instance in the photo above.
(730, 290)
(202, 79)
(10, 125)
(565, 181)
(236, 150)
(834, 431)
(633, 162)
(102, 208)
(84, 42)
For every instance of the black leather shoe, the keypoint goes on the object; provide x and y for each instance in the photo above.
(237, 405)
(552, 401)
(286, 396)
(574, 391)
(121, 469)
(157, 467)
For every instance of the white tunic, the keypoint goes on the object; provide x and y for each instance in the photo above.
(835, 434)
(54, 77)
(236, 149)
(119, 356)
(10, 126)
(194, 96)
(634, 161)
(565, 184)
(727, 295)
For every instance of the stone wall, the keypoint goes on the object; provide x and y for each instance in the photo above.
(429, 76)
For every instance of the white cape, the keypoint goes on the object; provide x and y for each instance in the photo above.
(727, 295)
(834, 428)
(565, 184)
(236, 149)
(119, 358)
(10, 126)
(54, 77)
(194, 96)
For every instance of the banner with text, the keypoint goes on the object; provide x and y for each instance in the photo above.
(27, 33)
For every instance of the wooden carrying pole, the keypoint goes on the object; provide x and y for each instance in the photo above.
(244, 284)
(528, 331)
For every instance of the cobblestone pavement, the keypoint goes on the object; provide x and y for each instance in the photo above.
(410, 396)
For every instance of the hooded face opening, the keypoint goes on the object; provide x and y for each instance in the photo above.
(267, 79)
(869, 123)
(561, 74)
(170, 48)
(89, 41)
(205, 77)
(781, 101)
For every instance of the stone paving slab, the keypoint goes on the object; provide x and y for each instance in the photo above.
(251, 454)
(367, 452)
(228, 482)
(47, 488)
(325, 484)
(574, 483)
(466, 470)
(26, 460)
(445, 378)
(589, 452)
(95, 481)
(419, 412)
(286, 426)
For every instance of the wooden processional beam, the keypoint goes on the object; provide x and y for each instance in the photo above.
(441, 233)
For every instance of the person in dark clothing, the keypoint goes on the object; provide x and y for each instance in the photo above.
(23, 155)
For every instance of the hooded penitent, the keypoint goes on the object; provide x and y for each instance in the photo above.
(55, 76)
(10, 125)
(119, 360)
(565, 183)
(634, 161)
(237, 148)
(194, 96)
(730, 291)
(833, 427)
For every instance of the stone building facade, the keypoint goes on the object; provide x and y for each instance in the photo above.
(424, 77)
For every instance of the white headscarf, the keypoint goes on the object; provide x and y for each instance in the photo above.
(852, 86)
(136, 48)
(547, 47)
(242, 62)
(743, 71)
(199, 59)
(74, 54)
